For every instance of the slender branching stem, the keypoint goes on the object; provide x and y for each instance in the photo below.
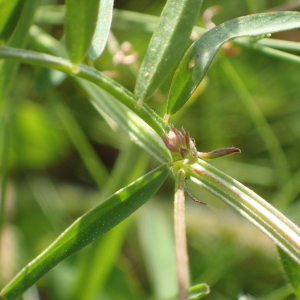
(180, 237)
(92, 75)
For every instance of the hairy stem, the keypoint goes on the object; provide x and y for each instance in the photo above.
(180, 237)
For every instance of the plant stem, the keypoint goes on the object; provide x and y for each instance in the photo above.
(92, 75)
(180, 237)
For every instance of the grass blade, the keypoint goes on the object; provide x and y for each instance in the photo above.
(80, 22)
(196, 61)
(167, 45)
(87, 228)
(102, 29)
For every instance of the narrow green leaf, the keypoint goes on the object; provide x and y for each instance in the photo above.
(87, 228)
(167, 45)
(196, 292)
(80, 23)
(196, 61)
(292, 270)
(258, 211)
(99, 263)
(135, 21)
(9, 14)
(102, 28)
(130, 157)
(96, 268)
(139, 132)
(128, 117)
(91, 74)
(18, 39)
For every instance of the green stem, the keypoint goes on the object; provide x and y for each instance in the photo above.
(90, 74)
(180, 237)
(251, 206)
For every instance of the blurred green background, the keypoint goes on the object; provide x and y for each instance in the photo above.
(248, 100)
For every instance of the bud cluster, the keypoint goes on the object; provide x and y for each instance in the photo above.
(181, 145)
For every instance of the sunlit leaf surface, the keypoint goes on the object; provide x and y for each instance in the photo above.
(80, 23)
(87, 228)
(196, 61)
(167, 45)
(102, 29)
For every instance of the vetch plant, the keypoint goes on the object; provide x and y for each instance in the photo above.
(175, 150)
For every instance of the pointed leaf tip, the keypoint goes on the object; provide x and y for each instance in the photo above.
(167, 45)
(87, 228)
(103, 25)
(79, 27)
(199, 56)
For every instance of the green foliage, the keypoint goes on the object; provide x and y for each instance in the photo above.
(196, 61)
(102, 29)
(72, 134)
(80, 24)
(292, 270)
(167, 45)
(18, 39)
(87, 228)
(196, 292)
(9, 14)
